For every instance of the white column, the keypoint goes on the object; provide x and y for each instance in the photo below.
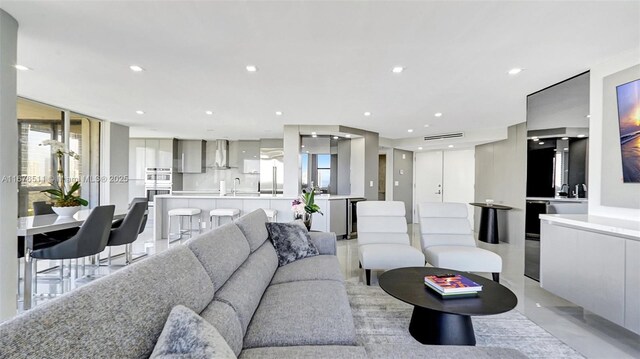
(8, 166)
(291, 145)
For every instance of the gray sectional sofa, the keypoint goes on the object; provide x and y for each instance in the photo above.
(231, 277)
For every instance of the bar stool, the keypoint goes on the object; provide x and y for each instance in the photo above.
(272, 214)
(223, 212)
(181, 213)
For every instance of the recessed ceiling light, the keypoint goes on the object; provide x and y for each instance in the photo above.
(252, 68)
(420, 148)
(438, 114)
(335, 137)
(541, 143)
(426, 125)
(534, 138)
(565, 138)
(278, 113)
(140, 112)
(450, 146)
(307, 151)
(209, 112)
(410, 130)
(398, 69)
(22, 68)
(581, 135)
(136, 68)
(515, 71)
(347, 135)
(367, 114)
(302, 146)
(588, 116)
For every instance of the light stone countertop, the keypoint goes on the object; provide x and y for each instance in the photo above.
(212, 195)
(557, 199)
(612, 226)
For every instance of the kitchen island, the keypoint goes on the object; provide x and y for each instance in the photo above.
(334, 208)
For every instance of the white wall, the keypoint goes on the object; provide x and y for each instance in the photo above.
(8, 165)
(114, 163)
(596, 140)
(500, 174)
(357, 167)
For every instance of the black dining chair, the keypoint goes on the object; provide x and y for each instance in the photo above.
(91, 239)
(118, 222)
(127, 232)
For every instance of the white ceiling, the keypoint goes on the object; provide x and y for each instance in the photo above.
(319, 62)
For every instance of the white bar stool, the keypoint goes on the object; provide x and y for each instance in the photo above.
(272, 214)
(181, 213)
(223, 212)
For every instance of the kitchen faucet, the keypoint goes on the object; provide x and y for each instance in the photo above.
(234, 191)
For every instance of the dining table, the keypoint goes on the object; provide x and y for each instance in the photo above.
(32, 225)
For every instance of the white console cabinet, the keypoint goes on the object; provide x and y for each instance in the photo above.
(593, 266)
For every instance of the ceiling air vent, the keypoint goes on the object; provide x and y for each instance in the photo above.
(444, 136)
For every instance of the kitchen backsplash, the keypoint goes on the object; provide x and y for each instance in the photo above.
(211, 180)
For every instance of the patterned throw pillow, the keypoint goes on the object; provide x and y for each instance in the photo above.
(291, 241)
(187, 335)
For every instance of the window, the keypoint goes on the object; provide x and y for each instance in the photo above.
(324, 170)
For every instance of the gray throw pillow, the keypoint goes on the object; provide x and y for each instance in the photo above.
(291, 241)
(187, 335)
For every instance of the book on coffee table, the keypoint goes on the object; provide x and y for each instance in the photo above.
(453, 295)
(450, 284)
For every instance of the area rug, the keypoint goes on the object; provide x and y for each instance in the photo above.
(380, 318)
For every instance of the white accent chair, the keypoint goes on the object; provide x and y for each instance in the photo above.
(383, 242)
(447, 240)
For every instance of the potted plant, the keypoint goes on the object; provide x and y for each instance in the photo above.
(305, 206)
(66, 202)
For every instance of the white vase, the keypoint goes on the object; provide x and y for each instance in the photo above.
(66, 211)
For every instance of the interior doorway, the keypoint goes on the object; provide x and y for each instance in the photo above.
(445, 176)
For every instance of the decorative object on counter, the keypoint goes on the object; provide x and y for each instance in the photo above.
(305, 206)
(489, 202)
(65, 202)
(223, 188)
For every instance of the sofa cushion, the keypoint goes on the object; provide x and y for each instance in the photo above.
(225, 319)
(221, 251)
(302, 313)
(244, 289)
(186, 334)
(306, 351)
(118, 316)
(310, 268)
(291, 241)
(253, 228)
(419, 351)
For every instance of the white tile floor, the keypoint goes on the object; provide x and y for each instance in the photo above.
(589, 334)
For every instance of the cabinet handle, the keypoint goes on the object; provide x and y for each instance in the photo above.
(182, 164)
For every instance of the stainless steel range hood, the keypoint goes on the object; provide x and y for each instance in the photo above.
(222, 154)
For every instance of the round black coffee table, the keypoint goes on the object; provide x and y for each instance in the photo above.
(444, 321)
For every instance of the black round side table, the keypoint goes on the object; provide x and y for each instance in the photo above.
(489, 222)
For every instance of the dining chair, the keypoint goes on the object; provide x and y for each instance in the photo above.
(127, 232)
(91, 239)
(118, 222)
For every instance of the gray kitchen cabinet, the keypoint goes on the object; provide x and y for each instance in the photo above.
(137, 164)
(191, 156)
(249, 155)
(151, 153)
(165, 153)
